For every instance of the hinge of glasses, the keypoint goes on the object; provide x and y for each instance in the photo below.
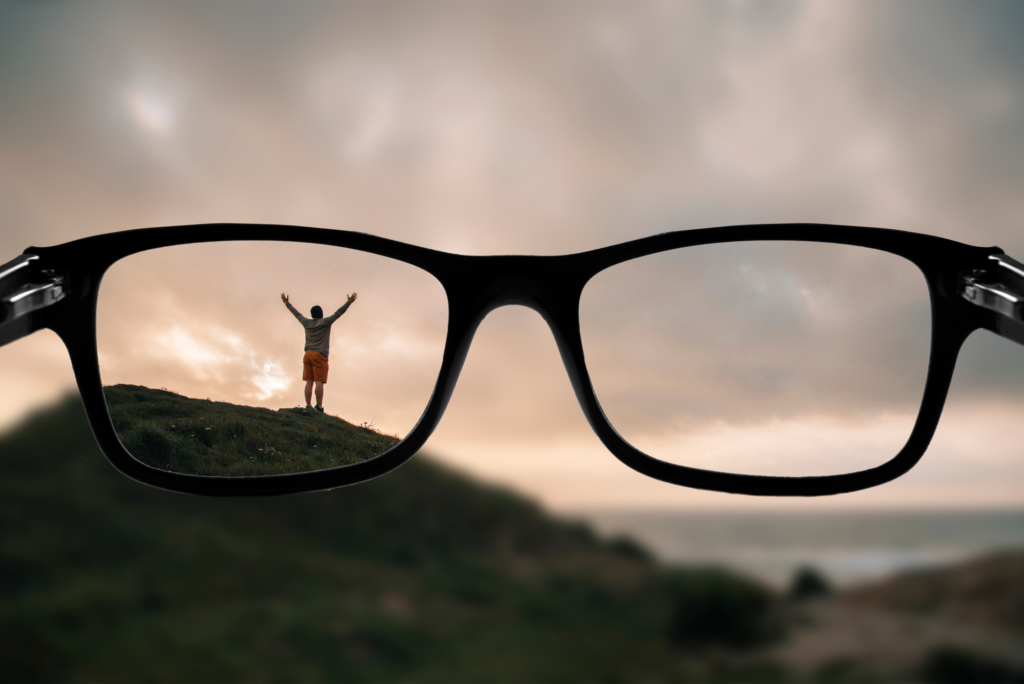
(999, 287)
(25, 288)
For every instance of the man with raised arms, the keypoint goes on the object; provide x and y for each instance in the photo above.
(318, 346)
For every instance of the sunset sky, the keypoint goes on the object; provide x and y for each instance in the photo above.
(541, 128)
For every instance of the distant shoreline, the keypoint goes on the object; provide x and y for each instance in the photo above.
(850, 547)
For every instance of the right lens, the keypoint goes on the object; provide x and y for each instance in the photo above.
(762, 358)
(195, 345)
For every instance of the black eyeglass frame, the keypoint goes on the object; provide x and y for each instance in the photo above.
(475, 286)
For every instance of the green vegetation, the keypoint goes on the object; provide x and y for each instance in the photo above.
(201, 437)
(808, 584)
(420, 575)
(711, 609)
(952, 665)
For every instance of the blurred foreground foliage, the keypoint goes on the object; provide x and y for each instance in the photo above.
(421, 575)
(951, 665)
(809, 583)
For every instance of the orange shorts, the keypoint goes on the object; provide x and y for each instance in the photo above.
(314, 366)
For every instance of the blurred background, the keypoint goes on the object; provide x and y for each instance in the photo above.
(487, 128)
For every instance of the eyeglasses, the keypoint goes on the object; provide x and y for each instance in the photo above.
(783, 360)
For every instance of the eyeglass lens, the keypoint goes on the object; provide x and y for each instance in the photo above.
(205, 369)
(761, 358)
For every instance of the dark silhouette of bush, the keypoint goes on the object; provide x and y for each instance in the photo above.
(809, 583)
(951, 665)
(719, 609)
(629, 548)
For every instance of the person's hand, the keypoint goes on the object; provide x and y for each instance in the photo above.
(284, 298)
(352, 297)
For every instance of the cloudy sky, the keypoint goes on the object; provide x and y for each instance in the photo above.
(535, 129)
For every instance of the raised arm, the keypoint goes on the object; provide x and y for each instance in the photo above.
(344, 307)
(298, 316)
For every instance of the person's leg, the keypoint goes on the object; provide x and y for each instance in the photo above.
(320, 369)
(309, 393)
(308, 375)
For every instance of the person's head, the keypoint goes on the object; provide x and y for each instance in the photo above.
(316, 312)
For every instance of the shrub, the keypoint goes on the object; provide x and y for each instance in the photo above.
(951, 665)
(714, 608)
(808, 583)
(628, 548)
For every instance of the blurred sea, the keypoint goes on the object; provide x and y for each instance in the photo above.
(848, 547)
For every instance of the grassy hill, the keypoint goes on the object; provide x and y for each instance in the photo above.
(421, 575)
(202, 437)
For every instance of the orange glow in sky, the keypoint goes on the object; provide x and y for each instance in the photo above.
(488, 128)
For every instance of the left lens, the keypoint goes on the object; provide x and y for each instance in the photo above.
(762, 358)
(205, 369)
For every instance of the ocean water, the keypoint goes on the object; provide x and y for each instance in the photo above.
(848, 547)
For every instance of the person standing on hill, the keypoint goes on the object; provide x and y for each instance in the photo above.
(318, 346)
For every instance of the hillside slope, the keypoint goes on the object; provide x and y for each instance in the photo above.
(173, 432)
(421, 575)
(987, 592)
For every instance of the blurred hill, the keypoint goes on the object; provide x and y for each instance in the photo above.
(420, 575)
(986, 592)
(963, 623)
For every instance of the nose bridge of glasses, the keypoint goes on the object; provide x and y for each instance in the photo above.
(551, 286)
(536, 282)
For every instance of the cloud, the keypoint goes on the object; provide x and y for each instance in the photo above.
(535, 129)
(207, 321)
(753, 333)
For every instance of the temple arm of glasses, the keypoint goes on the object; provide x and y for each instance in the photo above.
(26, 288)
(999, 287)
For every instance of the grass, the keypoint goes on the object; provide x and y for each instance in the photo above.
(179, 434)
(421, 575)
